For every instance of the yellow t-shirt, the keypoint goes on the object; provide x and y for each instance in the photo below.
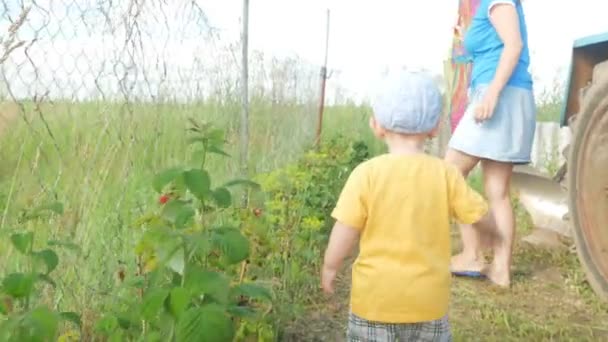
(402, 206)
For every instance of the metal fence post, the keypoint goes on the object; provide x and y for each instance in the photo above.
(323, 82)
(245, 98)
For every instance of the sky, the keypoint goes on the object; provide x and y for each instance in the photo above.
(366, 37)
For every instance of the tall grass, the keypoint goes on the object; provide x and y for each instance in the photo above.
(98, 158)
(550, 103)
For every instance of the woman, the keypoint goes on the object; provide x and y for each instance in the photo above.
(497, 129)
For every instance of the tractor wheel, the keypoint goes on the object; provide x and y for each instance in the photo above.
(587, 184)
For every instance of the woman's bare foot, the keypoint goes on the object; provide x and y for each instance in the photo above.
(498, 276)
(461, 263)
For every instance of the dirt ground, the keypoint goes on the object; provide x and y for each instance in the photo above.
(548, 301)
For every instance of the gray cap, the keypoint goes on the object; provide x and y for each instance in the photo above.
(408, 102)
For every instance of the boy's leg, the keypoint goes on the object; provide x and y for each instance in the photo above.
(362, 330)
(433, 331)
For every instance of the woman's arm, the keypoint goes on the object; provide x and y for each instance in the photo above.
(505, 20)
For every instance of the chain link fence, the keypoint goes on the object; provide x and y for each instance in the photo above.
(95, 97)
(129, 73)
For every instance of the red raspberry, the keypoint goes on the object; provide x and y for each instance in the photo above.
(163, 199)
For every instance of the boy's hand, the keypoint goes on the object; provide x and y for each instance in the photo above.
(341, 241)
(328, 276)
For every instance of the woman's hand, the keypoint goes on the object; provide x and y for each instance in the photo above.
(485, 108)
(505, 20)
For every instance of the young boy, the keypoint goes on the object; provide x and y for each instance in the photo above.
(399, 206)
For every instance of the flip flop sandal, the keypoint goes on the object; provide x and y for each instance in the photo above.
(469, 274)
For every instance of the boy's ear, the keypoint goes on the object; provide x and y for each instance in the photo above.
(378, 131)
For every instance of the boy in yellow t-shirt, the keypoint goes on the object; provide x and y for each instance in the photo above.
(399, 206)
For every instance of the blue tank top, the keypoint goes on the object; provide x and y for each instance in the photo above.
(485, 46)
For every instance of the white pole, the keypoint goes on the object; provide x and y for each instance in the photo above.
(245, 96)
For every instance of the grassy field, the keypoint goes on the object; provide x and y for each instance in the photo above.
(99, 160)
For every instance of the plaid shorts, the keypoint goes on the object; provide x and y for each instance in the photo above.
(360, 330)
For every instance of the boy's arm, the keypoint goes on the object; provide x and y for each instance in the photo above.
(467, 205)
(350, 214)
(341, 243)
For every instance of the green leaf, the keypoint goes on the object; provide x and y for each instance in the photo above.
(199, 244)
(252, 291)
(153, 303)
(169, 250)
(209, 283)
(177, 261)
(178, 301)
(50, 259)
(208, 323)
(241, 311)
(217, 150)
(43, 323)
(242, 182)
(106, 325)
(179, 186)
(18, 285)
(152, 336)
(178, 212)
(116, 336)
(234, 246)
(71, 317)
(196, 127)
(222, 197)
(216, 135)
(128, 320)
(23, 241)
(198, 182)
(165, 177)
(199, 155)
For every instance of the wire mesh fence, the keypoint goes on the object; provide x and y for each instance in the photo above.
(95, 96)
(130, 72)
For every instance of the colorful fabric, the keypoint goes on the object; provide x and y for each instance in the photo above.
(461, 61)
(360, 330)
(402, 206)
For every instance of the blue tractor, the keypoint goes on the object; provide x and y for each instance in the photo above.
(585, 174)
(575, 201)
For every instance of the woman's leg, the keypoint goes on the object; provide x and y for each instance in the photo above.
(497, 181)
(471, 258)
